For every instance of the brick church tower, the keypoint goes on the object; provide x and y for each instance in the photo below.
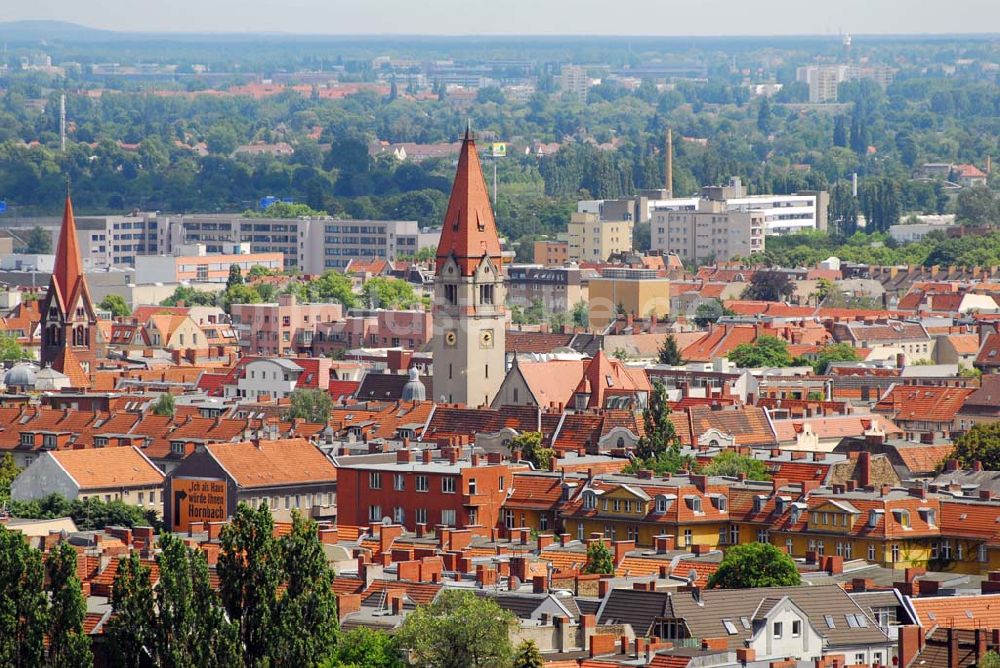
(68, 326)
(469, 314)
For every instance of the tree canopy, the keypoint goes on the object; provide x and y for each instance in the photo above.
(765, 351)
(753, 565)
(732, 463)
(458, 630)
(310, 405)
(981, 443)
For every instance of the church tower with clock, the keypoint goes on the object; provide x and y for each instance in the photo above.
(469, 314)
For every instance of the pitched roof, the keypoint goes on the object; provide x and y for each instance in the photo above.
(102, 468)
(68, 272)
(469, 231)
(923, 402)
(266, 463)
(959, 612)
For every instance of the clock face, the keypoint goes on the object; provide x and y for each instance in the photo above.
(486, 338)
(450, 337)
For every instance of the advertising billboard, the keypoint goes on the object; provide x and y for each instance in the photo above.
(197, 500)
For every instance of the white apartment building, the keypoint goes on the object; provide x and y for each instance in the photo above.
(312, 245)
(712, 232)
(822, 81)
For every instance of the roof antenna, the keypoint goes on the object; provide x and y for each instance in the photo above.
(468, 128)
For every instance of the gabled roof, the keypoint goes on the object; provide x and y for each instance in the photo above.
(268, 463)
(923, 402)
(103, 468)
(469, 231)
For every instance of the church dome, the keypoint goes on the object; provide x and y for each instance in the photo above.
(414, 390)
(21, 375)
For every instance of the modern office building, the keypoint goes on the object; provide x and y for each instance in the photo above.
(194, 264)
(593, 239)
(779, 214)
(311, 245)
(118, 240)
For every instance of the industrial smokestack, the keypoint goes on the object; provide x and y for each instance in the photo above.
(989, 164)
(669, 178)
(854, 184)
(62, 123)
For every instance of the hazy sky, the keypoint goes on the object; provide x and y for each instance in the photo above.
(521, 17)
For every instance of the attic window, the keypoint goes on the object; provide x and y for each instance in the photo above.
(610, 382)
(829, 622)
(695, 503)
(730, 627)
(589, 500)
(661, 504)
(758, 503)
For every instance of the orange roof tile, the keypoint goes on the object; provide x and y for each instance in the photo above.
(266, 463)
(102, 468)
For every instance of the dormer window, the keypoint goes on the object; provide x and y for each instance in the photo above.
(589, 500)
(694, 502)
(758, 503)
(721, 503)
(177, 447)
(929, 516)
(873, 517)
(49, 440)
(661, 504)
(903, 518)
(100, 442)
(27, 439)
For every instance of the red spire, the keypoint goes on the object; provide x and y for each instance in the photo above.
(469, 230)
(69, 267)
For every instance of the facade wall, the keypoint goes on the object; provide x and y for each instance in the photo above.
(640, 297)
(282, 328)
(210, 268)
(551, 253)
(594, 240)
(43, 476)
(357, 495)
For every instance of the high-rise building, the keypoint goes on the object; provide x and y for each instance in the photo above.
(711, 233)
(822, 81)
(68, 318)
(574, 79)
(468, 312)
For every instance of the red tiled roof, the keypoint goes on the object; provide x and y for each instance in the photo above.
(958, 612)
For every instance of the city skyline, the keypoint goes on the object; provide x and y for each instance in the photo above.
(559, 17)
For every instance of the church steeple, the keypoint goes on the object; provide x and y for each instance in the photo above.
(469, 231)
(68, 326)
(68, 274)
(469, 295)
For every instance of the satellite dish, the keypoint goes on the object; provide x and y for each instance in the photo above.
(692, 576)
(387, 521)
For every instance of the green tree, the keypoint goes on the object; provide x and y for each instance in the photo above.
(660, 436)
(766, 351)
(600, 560)
(668, 352)
(990, 660)
(164, 405)
(11, 350)
(834, 352)
(710, 312)
(239, 293)
(769, 286)
(581, 314)
(310, 405)
(191, 627)
(329, 287)
(365, 647)
(69, 646)
(235, 276)
(116, 304)
(307, 611)
(731, 463)
(527, 656)
(978, 206)
(132, 630)
(190, 296)
(530, 445)
(39, 242)
(458, 630)
(388, 293)
(754, 565)
(980, 444)
(22, 602)
(8, 471)
(249, 569)
(620, 354)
